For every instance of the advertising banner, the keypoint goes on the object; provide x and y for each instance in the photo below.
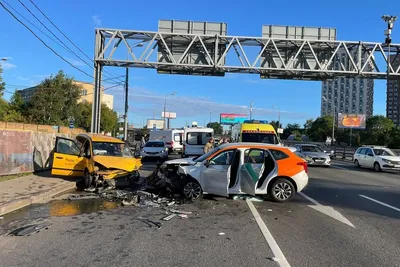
(231, 119)
(158, 124)
(355, 121)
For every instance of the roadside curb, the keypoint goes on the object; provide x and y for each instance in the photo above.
(18, 204)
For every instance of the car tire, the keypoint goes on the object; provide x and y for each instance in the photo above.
(357, 164)
(192, 190)
(377, 167)
(87, 179)
(282, 190)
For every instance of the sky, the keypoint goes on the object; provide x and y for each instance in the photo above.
(29, 61)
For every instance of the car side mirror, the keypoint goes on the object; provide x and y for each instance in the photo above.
(207, 163)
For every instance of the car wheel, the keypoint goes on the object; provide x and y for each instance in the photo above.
(192, 190)
(377, 167)
(87, 178)
(282, 190)
(357, 164)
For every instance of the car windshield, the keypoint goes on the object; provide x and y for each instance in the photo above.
(154, 144)
(311, 149)
(260, 138)
(205, 156)
(111, 149)
(384, 152)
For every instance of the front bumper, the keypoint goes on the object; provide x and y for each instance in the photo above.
(319, 162)
(151, 155)
(390, 167)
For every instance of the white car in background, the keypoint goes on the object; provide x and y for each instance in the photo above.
(155, 149)
(377, 157)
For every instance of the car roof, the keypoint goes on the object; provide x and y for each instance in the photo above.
(101, 138)
(250, 145)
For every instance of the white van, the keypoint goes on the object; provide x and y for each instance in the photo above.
(195, 139)
(173, 139)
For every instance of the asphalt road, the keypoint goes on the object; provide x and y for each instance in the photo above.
(346, 217)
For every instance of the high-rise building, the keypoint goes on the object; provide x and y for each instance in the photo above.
(392, 97)
(347, 95)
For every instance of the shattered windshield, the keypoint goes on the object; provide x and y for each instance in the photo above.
(205, 156)
(111, 149)
(384, 152)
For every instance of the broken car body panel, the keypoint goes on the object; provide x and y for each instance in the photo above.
(245, 168)
(103, 157)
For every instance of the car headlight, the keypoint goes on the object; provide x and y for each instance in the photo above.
(386, 160)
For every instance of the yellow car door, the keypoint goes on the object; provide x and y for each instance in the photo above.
(67, 159)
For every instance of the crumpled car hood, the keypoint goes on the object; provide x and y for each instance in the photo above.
(121, 163)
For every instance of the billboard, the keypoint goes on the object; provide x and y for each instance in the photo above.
(158, 124)
(355, 121)
(231, 119)
(170, 115)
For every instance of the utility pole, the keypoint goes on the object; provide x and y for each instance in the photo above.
(251, 110)
(388, 32)
(210, 116)
(279, 117)
(126, 104)
(333, 123)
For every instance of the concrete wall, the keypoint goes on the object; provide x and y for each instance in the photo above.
(23, 150)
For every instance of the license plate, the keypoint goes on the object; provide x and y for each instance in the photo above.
(319, 160)
(397, 166)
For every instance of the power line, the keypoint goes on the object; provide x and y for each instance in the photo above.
(55, 26)
(30, 12)
(43, 42)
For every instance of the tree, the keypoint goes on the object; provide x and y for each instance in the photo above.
(275, 124)
(321, 128)
(2, 83)
(290, 128)
(307, 126)
(83, 115)
(12, 111)
(378, 131)
(55, 100)
(216, 126)
(108, 119)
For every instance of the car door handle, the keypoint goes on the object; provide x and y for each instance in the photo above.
(59, 158)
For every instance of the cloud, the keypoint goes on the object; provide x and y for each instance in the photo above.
(7, 65)
(145, 102)
(32, 80)
(96, 20)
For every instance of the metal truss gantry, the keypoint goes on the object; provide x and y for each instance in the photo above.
(216, 55)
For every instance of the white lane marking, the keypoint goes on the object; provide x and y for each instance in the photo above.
(340, 168)
(281, 259)
(379, 202)
(331, 212)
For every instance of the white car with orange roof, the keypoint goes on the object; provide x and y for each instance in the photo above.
(243, 168)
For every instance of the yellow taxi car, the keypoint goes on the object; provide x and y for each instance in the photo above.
(99, 159)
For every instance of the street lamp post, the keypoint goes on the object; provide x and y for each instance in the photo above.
(210, 116)
(279, 117)
(388, 32)
(165, 105)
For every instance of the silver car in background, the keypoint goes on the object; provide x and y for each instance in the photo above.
(155, 149)
(313, 154)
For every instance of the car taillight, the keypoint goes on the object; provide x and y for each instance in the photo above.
(305, 165)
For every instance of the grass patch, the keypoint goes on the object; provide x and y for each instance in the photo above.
(13, 176)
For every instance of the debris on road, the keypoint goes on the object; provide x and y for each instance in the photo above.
(169, 217)
(171, 203)
(247, 197)
(150, 223)
(1, 218)
(29, 229)
(83, 196)
(269, 209)
(221, 233)
(183, 216)
(181, 212)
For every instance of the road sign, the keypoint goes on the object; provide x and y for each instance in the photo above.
(71, 124)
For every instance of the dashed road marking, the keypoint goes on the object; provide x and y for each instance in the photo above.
(280, 258)
(381, 203)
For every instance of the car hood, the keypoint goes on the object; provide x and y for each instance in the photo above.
(180, 161)
(153, 149)
(316, 154)
(121, 163)
(394, 158)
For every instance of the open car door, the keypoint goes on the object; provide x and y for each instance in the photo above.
(66, 158)
(252, 170)
(216, 176)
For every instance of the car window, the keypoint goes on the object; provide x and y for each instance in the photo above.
(361, 151)
(255, 156)
(278, 155)
(154, 144)
(86, 149)
(384, 152)
(311, 149)
(68, 147)
(177, 137)
(368, 151)
(198, 138)
(223, 158)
